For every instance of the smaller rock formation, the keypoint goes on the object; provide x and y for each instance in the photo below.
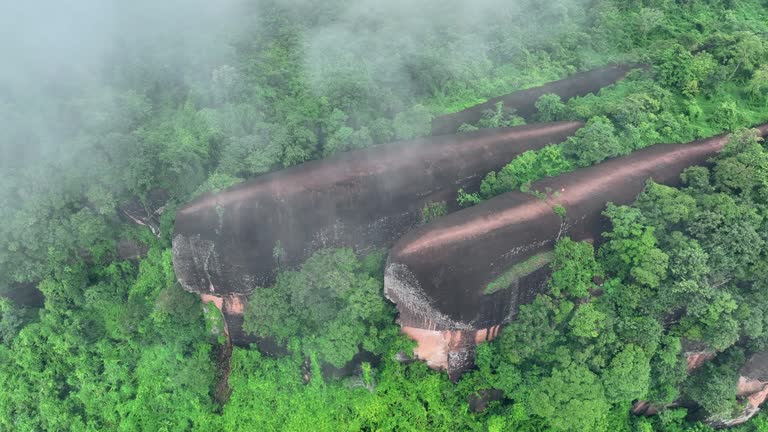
(470, 270)
(696, 354)
(129, 249)
(523, 102)
(24, 294)
(752, 389)
(146, 212)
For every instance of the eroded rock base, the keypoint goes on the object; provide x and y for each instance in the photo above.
(449, 350)
(752, 388)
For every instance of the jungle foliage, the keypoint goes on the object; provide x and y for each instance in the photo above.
(118, 345)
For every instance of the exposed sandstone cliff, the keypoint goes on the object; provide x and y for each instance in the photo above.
(751, 389)
(440, 275)
(227, 244)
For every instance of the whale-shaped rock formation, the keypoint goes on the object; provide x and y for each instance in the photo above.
(236, 240)
(227, 244)
(523, 102)
(456, 280)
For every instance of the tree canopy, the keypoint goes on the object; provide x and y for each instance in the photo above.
(177, 101)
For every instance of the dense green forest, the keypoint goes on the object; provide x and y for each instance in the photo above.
(190, 98)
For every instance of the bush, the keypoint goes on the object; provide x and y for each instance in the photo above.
(594, 143)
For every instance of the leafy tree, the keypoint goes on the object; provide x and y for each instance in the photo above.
(728, 233)
(499, 117)
(728, 116)
(529, 166)
(684, 71)
(687, 259)
(465, 199)
(758, 85)
(413, 123)
(697, 178)
(433, 210)
(332, 304)
(743, 165)
(594, 143)
(714, 388)
(570, 399)
(628, 376)
(550, 107)
(573, 268)
(631, 248)
(749, 50)
(12, 319)
(588, 321)
(534, 335)
(94, 358)
(182, 141)
(668, 370)
(664, 206)
(250, 155)
(648, 19)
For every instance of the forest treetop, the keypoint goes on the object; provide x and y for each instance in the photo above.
(192, 97)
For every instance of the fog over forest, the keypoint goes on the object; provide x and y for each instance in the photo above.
(146, 145)
(65, 58)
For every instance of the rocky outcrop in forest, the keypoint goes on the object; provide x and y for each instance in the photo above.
(523, 103)
(238, 239)
(456, 280)
(751, 390)
(229, 243)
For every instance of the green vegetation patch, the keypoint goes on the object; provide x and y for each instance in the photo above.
(519, 271)
(433, 211)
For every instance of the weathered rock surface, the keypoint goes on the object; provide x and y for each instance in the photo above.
(234, 241)
(148, 212)
(524, 102)
(231, 242)
(232, 309)
(696, 354)
(752, 390)
(462, 272)
(450, 350)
